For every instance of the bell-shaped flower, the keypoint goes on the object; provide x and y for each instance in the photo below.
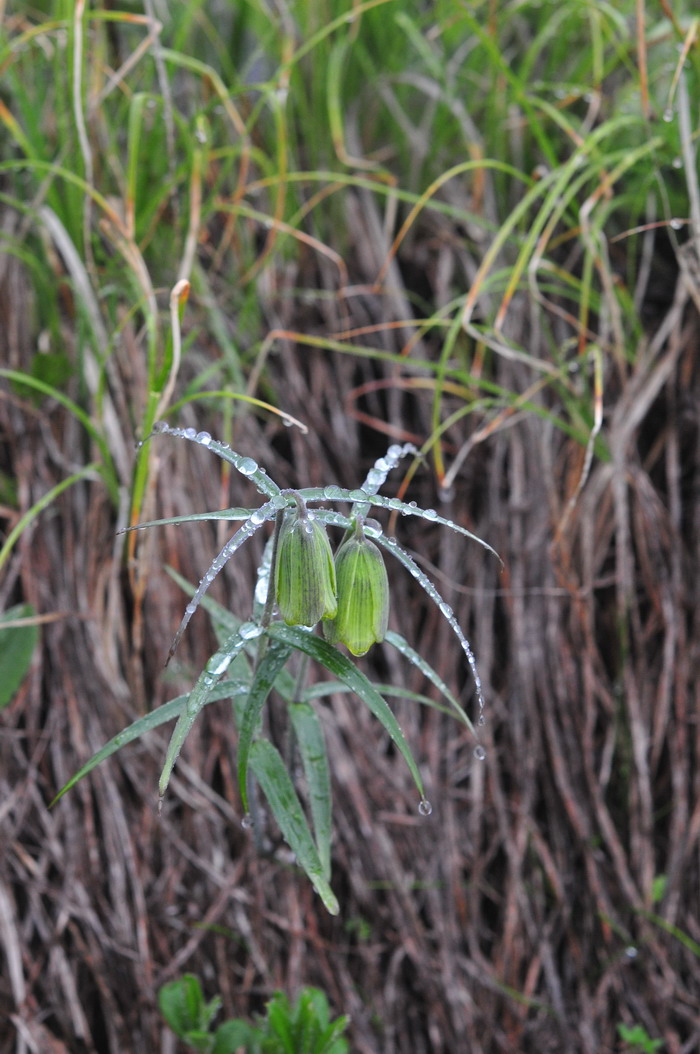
(363, 595)
(305, 587)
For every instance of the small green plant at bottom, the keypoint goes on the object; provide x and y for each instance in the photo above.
(638, 1039)
(302, 1027)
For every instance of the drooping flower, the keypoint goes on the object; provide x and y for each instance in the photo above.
(363, 595)
(305, 581)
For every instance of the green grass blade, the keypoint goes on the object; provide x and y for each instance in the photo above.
(277, 787)
(266, 673)
(402, 645)
(337, 664)
(90, 471)
(19, 635)
(167, 712)
(197, 698)
(314, 758)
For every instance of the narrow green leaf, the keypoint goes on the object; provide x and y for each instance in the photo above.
(341, 667)
(266, 763)
(197, 698)
(402, 645)
(17, 645)
(314, 758)
(167, 712)
(269, 666)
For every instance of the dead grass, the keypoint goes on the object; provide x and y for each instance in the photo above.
(521, 916)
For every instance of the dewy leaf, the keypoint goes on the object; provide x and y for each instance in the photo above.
(343, 668)
(312, 748)
(245, 465)
(197, 698)
(167, 712)
(17, 645)
(402, 645)
(271, 774)
(268, 668)
(265, 512)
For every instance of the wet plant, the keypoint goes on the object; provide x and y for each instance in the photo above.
(301, 584)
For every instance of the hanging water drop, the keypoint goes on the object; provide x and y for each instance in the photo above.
(246, 466)
(668, 114)
(675, 224)
(247, 822)
(481, 720)
(479, 752)
(424, 807)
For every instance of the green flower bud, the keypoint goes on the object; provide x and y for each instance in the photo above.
(363, 595)
(304, 573)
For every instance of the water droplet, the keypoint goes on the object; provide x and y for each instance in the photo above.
(246, 466)
(279, 501)
(261, 589)
(160, 426)
(257, 517)
(190, 433)
(358, 495)
(394, 503)
(677, 162)
(668, 114)
(249, 630)
(247, 823)
(218, 664)
(332, 493)
(445, 610)
(413, 504)
(424, 807)
(676, 224)
(204, 438)
(479, 752)
(191, 608)
(430, 514)
(391, 540)
(631, 952)
(481, 720)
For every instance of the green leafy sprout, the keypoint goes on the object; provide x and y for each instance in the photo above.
(304, 1027)
(297, 569)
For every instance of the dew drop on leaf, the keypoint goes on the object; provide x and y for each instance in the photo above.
(247, 466)
(247, 822)
(479, 753)
(249, 630)
(424, 807)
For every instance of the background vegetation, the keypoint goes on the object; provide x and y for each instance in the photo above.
(474, 226)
